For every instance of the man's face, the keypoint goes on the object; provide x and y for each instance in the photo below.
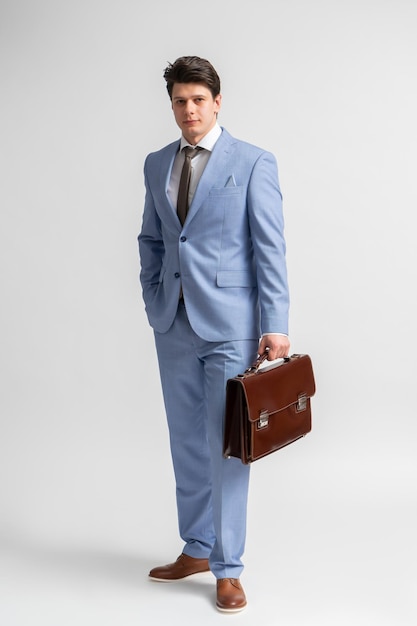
(194, 109)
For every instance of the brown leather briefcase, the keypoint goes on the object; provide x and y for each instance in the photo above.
(268, 408)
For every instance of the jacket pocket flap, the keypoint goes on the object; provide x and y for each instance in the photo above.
(235, 278)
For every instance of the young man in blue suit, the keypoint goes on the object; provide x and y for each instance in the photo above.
(215, 289)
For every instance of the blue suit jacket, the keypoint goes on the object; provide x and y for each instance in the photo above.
(229, 257)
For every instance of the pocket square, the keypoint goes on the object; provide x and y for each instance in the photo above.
(231, 181)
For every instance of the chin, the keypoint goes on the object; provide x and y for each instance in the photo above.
(191, 130)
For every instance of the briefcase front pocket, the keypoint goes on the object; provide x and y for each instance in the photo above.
(268, 409)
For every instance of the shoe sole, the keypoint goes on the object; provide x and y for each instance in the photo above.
(237, 610)
(177, 580)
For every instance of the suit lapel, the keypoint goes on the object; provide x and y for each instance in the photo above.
(217, 163)
(164, 174)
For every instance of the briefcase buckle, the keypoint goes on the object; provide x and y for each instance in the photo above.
(263, 419)
(301, 403)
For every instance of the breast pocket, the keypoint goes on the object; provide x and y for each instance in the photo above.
(226, 192)
(226, 200)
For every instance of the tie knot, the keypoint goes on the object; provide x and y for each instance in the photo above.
(191, 152)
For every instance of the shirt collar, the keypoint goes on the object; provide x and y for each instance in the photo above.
(208, 141)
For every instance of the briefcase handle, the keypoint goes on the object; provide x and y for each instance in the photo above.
(261, 358)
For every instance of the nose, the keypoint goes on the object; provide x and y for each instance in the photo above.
(189, 107)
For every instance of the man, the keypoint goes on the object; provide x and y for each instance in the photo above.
(213, 275)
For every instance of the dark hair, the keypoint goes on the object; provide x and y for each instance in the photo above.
(192, 70)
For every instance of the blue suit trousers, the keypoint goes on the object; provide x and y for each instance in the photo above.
(211, 491)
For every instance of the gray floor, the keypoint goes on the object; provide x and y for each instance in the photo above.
(324, 547)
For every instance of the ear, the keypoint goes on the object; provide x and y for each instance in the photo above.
(217, 102)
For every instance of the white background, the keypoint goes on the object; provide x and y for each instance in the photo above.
(86, 487)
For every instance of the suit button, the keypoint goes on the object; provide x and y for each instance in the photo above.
(183, 239)
(177, 274)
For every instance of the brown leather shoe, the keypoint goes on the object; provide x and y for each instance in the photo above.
(184, 566)
(230, 595)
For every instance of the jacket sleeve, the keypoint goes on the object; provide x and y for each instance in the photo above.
(266, 223)
(151, 246)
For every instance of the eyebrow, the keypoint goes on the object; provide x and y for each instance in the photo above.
(198, 95)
